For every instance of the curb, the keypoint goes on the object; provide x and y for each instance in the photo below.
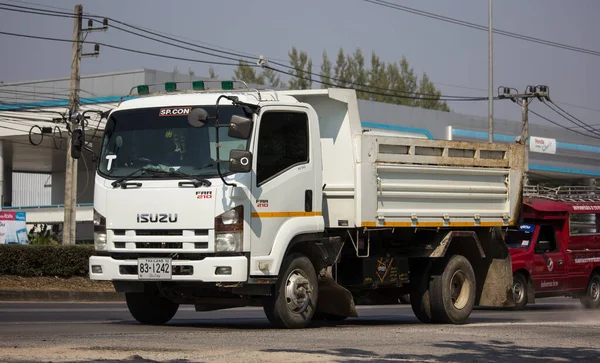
(17, 295)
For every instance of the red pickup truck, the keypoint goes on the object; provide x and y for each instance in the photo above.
(556, 250)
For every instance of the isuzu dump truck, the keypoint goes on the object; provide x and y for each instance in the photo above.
(556, 250)
(282, 199)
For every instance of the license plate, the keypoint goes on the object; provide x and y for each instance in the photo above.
(154, 268)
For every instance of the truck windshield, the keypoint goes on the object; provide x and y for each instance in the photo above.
(519, 238)
(162, 139)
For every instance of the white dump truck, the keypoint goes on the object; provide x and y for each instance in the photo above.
(226, 197)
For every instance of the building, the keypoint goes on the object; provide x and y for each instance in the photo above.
(33, 140)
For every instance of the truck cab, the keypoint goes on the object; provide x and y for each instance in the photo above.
(556, 250)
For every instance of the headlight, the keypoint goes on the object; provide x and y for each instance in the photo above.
(99, 232)
(229, 230)
(228, 242)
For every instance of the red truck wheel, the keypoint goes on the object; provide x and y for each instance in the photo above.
(591, 299)
(520, 291)
(452, 292)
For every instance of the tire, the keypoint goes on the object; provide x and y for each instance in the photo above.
(520, 288)
(296, 294)
(591, 299)
(150, 309)
(452, 292)
(419, 291)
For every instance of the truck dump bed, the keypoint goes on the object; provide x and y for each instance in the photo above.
(393, 181)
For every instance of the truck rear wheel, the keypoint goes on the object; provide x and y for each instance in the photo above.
(591, 299)
(520, 291)
(420, 274)
(150, 308)
(452, 292)
(294, 300)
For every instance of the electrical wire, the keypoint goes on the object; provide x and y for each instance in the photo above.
(467, 24)
(247, 63)
(585, 124)
(575, 121)
(562, 126)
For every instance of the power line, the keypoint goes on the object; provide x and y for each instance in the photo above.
(243, 61)
(571, 119)
(467, 24)
(562, 126)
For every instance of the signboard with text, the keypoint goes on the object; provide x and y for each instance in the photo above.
(542, 145)
(13, 229)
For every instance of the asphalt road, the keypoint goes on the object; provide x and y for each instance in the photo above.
(555, 330)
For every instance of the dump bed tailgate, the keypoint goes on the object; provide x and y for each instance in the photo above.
(403, 182)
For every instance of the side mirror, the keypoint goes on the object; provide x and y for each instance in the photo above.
(197, 117)
(240, 161)
(77, 140)
(240, 127)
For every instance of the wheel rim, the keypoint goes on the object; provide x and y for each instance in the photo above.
(460, 290)
(297, 291)
(595, 290)
(518, 291)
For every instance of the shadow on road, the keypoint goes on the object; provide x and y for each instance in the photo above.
(491, 351)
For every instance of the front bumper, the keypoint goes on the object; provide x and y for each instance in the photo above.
(202, 270)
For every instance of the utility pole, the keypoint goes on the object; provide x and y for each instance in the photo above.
(525, 135)
(70, 204)
(531, 92)
(70, 224)
(490, 76)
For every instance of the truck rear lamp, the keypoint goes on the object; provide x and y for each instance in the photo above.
(99, 232)
(223, 270)
(229, 230)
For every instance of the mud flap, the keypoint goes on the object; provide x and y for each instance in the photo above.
(333, 298)
(494, 274)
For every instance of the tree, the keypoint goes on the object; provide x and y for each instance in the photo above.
(342, 73)
(359, 75)
(378, 79)
(430, 96)
(272, 78)
(301, 70)
(244, 72)
(191, 72)
(211, 73)
(325, 71)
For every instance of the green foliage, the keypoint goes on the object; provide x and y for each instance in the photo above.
(211, 73)
(302, 69)
(245, 72)
(325, 71)
(42, 236)
(60, 261)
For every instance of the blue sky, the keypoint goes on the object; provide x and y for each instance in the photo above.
(454, 57)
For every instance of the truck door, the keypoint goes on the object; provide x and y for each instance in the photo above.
(284, 187)
(549, 264)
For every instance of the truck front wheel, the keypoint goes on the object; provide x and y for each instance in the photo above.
(294, 300)
(452, 292)
(150, 308)
(591, 299)
(520, 291)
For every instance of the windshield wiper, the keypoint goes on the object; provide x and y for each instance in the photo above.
(199, 181)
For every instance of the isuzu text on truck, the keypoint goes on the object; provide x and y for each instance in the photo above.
(556, 251)
(281, 199)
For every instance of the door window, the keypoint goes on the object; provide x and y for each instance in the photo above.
(547, 242)
(282, 144)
